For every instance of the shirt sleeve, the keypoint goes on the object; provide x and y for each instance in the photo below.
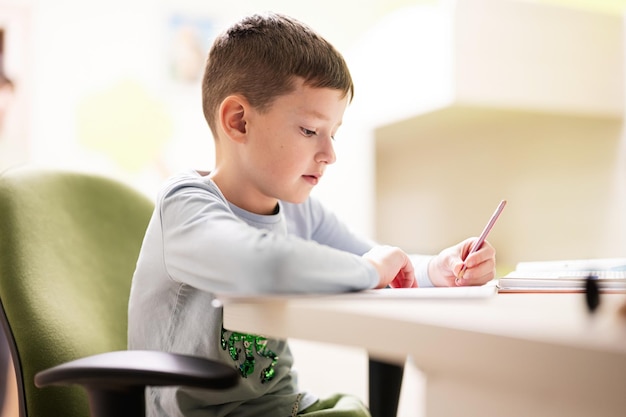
(326, 228)
(207, 246)
(420, 263)
(314, 221)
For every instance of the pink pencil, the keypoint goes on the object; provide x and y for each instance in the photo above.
(484, 234)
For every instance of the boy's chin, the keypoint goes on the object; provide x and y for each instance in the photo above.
(297, 199)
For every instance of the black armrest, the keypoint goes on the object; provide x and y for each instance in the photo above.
(116, 381)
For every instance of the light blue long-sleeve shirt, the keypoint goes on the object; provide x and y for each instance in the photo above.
(197, 245)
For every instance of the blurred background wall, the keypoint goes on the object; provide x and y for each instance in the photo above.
(113, 86)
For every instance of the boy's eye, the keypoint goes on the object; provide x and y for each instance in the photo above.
(308, 132)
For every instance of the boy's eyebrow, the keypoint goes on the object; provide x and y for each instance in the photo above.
(322, 116)
(316, 114)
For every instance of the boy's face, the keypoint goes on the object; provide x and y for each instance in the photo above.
(289, 145)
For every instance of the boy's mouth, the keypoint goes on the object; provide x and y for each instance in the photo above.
(312, 179)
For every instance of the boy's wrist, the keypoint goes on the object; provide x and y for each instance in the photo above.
(422, 265)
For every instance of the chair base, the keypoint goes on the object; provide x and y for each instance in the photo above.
(120, 403)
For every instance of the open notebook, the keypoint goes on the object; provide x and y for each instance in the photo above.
(566, 276)
(442, 293)
(482, 291)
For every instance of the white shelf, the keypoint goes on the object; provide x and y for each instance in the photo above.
(519, 54)
(490, 53)
(473, 101)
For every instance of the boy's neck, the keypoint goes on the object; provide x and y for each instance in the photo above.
(243, 197)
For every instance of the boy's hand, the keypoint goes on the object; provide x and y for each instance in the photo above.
(393, 266)
(444, 269)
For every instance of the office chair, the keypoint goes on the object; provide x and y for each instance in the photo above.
(68, 248)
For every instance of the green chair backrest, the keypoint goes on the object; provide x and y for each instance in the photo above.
(68, 247)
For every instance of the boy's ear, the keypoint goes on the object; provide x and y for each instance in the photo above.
(232, 117)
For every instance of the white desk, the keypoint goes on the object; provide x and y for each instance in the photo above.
(508, 355)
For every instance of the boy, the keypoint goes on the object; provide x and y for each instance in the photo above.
(274, 94)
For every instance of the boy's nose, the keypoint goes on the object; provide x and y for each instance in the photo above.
(327, 153)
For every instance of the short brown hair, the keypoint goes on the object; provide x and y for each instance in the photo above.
(260, 56)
